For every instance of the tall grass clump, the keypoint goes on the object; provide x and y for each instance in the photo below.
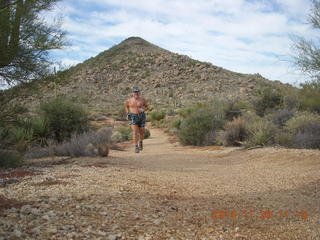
(260, 133)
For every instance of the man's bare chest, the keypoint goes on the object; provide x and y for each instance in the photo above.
(136, 103)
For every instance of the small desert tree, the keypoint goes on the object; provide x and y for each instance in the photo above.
(25, 39)
(307, 59)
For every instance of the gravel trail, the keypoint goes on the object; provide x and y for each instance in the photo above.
(167, 192)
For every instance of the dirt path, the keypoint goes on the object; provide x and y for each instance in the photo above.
(170, 192)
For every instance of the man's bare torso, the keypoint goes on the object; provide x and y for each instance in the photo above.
(136, 105)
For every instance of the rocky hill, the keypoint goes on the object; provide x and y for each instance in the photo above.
(167, 79)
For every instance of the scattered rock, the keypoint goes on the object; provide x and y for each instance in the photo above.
(114, 237)
(17, 233)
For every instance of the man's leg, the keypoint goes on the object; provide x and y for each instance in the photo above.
(141, 131)
(135, 137)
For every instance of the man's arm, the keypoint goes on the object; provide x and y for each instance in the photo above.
(126, 106)
(146, 105)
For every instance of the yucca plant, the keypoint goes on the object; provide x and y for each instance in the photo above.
(20, 134)
(41, 131)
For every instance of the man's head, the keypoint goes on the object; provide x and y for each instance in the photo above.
(136, 92)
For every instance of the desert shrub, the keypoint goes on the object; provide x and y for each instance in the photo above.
(78, 145)
(310, 96)
(176, 123)
(120, 114)
(23, 133)
(170, 112)
(173, 131)
(234, 108)
(85, 144)
(187, 111)
(199, 127)
(147, 133)
(157, 115)
(291, 99)
(103, 135)
(305, 129)
(284, 138)
(266, 99)
(280, 116)
(308, 136)
(11, 114)
(260, 133)
(64, 118)
(300, 120)
(234, 133)
(121, 133)
(40, 152)
(10, 158)
(124, 133)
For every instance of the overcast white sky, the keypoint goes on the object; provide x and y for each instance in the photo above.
(247, 36)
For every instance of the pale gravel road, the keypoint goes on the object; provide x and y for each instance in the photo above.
(171, 192)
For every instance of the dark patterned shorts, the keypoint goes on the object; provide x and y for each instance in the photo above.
(137, 119)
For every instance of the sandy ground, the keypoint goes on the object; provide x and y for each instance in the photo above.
(167, 192)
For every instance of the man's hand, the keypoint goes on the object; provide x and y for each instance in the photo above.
(128, 117)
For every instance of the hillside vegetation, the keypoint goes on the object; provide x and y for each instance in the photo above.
(167, 79)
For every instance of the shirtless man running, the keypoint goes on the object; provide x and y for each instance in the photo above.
(135, 108)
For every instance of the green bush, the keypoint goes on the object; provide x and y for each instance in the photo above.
(299, 121)
(186, 112)
(146, 133)
(266, 99)
(124, 133)
(170, 112)
(284, 138)
(10, 159)
(310, 96)
(308, 136)
(305, 130)
(64, 118)
(157, 115)
(280, 116)
(176, 123)
(120, 114)
(234, 133)
(121, 133)
(260, 133)
(200, 126)
(233, 108)
(291, 99)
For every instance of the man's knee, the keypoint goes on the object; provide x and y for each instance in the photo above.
(136, 132)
